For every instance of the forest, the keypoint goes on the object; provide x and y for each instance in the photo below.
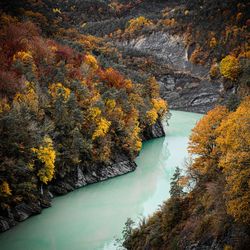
(62, 110)
(78, 94)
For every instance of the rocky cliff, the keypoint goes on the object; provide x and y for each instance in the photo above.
(155, 131)
(184, 86)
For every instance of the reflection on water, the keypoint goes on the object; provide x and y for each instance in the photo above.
(91, 217)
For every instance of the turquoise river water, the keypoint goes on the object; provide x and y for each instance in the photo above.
(90, 218)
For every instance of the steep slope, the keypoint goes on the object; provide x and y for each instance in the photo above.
(214, 213)
(75, 72)
(190, 40)
(66, 120)
(184, 41)
(184, 85)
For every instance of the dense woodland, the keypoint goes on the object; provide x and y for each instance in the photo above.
(70, 98)
(61, 109)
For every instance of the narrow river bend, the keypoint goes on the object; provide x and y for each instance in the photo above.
(91, 217)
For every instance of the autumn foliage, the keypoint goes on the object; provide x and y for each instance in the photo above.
(221, 140)
(114, 79)
(138, 23)
(230, 67)
(212, 197)
(203, 141)
(46, 155)
(61, 110)
(234, 144)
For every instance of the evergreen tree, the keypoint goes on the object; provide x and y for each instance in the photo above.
(176, 190)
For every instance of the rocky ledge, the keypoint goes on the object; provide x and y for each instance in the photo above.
(188, 93)
(81, 177)
(75, 180)
(121, 165)
(155, 131)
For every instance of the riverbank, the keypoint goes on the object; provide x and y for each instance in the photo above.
(77, 179)
(91, 217)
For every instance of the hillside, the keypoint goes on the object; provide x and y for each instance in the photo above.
(83, 83)
(66, 118)
(209, 204)
(180, 43)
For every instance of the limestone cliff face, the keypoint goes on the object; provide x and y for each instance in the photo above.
(188, 93)
(185, 86)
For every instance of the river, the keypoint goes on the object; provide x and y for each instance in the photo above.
(90, 218)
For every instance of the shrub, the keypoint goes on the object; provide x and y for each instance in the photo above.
(214, 71)
(138, 23)
(199, 56)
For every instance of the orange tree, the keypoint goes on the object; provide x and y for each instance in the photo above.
(234, 143)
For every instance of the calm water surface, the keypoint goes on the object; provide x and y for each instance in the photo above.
(91, 218)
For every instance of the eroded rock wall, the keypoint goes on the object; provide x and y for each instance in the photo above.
(185, 86)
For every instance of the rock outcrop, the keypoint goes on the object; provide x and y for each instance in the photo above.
(155, 131)
(18, 214)
(80, 177)
(116, 169)
(188, 93)
(76, 179)
(185, 86)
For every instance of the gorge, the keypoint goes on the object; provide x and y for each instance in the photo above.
(101, 103)
(105, 206)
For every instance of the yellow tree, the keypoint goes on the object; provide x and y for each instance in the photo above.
(138, 23)
(160, 106)
(91, 61)
(152, 116)
(47, 156)
(132, 141)
(5, 189)
(234, 144)
(102, 128)
(110, 104)
(230, 67)
(203, 141)
(24, 56)
(57, 89)
(29, 97)
(159, 109)
(101, 124)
